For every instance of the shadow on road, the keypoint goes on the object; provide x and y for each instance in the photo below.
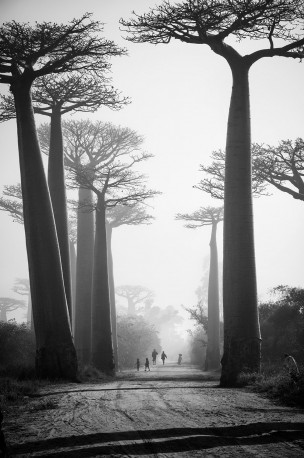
(163, 440)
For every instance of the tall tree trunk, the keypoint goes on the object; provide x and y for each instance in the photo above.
(241, 325)
(55, 354)
(84, 275)
(112, 294)
(3, 316)
(102, 346)
(56, 180)
(73, 261)
(213, 347)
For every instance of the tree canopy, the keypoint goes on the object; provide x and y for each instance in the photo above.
(210, 22)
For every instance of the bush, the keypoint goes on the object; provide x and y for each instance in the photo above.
(276, 385)
(17, 356)
(12, 390)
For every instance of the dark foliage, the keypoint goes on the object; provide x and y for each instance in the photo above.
(17, 355)
(282, 325)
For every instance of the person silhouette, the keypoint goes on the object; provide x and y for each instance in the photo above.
(154, 354)
(163, 357)
(147, 365)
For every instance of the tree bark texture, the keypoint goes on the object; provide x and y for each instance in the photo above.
(55, 354)
(56, 181)
(84, 275)
(102, 345)
(241, 324)
(112, 295)
(73, 260)
(213, 347)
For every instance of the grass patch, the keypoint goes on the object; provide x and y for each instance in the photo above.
(276, 385)
(12, 390)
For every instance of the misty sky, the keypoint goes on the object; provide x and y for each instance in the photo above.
(180, 97)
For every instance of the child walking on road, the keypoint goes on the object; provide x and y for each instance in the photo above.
(147, 365)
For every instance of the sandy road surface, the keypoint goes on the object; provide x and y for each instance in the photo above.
(171, 411)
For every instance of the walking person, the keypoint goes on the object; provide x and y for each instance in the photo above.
(154, 354)
(147, 365)
(163, 357)
(137, 364)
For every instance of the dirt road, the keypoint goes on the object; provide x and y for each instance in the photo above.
(171, 411)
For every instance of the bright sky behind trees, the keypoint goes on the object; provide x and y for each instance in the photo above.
(180, 96)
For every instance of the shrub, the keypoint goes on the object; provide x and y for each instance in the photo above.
(277, 385)
(17, 356)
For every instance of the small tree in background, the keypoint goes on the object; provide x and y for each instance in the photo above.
(135, 295)
(282, 166)
(22, 287)
(213, 182)
(210, 216)
(9, 304)
(11, 202)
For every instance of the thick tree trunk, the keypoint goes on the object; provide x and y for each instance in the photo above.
(55, 355)
(84, 275)
(112, 295)
(73, 261)
(56, 181)
(3, 316)
(102, 346)
(213, 347)
(241, 324)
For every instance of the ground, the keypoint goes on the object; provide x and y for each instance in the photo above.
(171, 411)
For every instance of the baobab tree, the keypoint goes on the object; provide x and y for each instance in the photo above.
(22, 286)
(120, 215)
(9, 304)
(89, 146)
(27, 53)
(113, 182)
(209, 216)
(282, 166)
(11, 202)
(213, 23)
(54, 96)
(135, 294)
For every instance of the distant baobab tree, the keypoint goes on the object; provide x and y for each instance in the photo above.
(282, 166)
(113, 182)
(135, 294)
(22, 286)
(11, 202)
(26, 53)
(120, 215)
(212, 23)
(209, 216)
(213, 182)
(9, 304)
(89, 146)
